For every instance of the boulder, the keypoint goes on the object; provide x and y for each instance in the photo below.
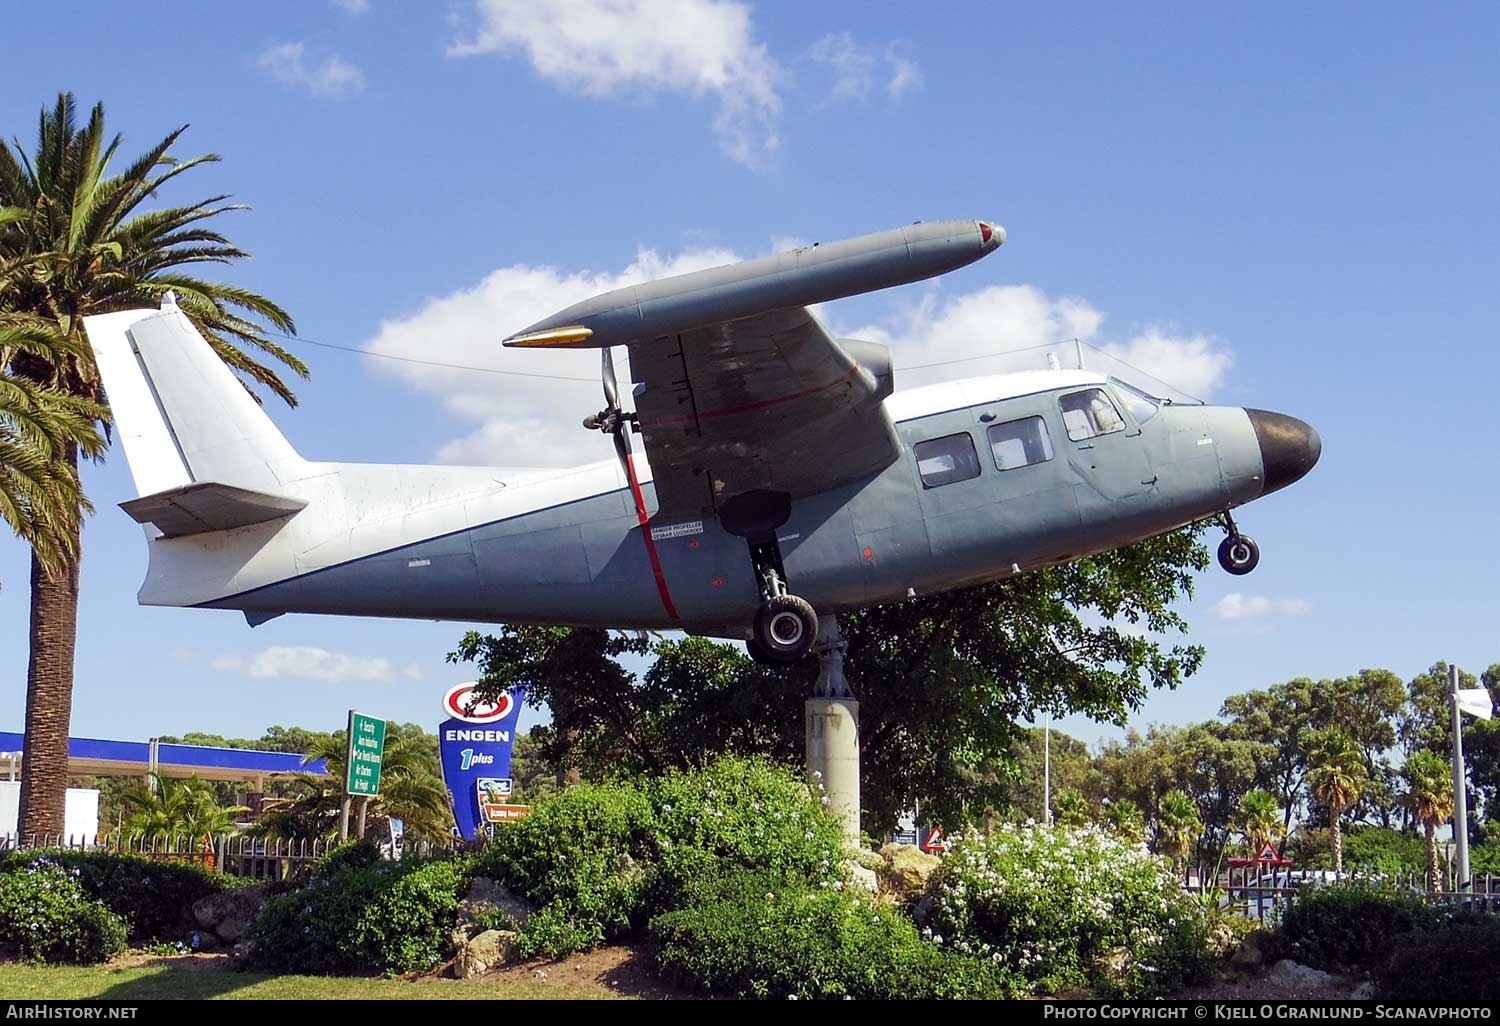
(863, 878)
(1291, 974)
(905, 869)
(240, 956)
(1254, 951)
(230, 914)
(487, 896)
(489, 950)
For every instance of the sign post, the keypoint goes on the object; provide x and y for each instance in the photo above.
(1475, 702)
(475, 743)
(363, 756)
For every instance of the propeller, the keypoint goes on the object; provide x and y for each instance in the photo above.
(612, 420)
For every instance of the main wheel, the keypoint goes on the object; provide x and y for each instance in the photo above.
(758, 653)
(1239, 554)
(785, 628)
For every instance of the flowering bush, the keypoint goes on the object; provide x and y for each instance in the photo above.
(753, 936)
(599, 860)
(389, 918)
(46, 915)
(154, 898)
(1066, 907)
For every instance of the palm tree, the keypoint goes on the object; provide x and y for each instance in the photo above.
(176, 808)
(1070, 808)
(79, 243)
(1429, 795)
(411, 789)
(1259, 819)
(40, 498)
(1336, 775)
(1126, 821)
(1180, 826)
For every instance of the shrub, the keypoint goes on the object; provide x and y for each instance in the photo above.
(1349, 924)
(735, 815)
(1065, 908)
(598, 861)
(388, 918)
(753, 936)
(1453, 961)
(578, 857)
(360, 854)
(46, 914)
(155, 898)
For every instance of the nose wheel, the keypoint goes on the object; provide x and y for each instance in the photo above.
(785, 628)
(1238, 553)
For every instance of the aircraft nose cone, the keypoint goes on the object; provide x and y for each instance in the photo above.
(1288, 448)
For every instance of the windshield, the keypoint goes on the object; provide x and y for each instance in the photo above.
(1142, 406)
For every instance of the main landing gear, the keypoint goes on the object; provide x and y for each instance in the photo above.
(786, 626)
(1238, 553)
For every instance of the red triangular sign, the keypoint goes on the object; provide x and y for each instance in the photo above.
(935, 841)
(1268, 854)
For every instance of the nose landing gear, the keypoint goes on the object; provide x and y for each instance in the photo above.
(1238, 553)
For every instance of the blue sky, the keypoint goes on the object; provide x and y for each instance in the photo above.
(1287, 208)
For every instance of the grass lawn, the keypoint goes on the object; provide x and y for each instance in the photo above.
(166, 981)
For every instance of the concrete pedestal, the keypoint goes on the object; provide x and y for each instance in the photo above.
(832, 736)
(833, 756)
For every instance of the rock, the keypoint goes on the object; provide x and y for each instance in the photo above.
(486, 896)
(230, 914)
(905, 869)
(869, 859)
(202, 940)
(1293, 974)
(489, 950)
(240, 956)
(1254, 951)
(864, 878)
(1364, 992)
(1114, 964)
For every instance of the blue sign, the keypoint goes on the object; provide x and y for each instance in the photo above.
(474, 744)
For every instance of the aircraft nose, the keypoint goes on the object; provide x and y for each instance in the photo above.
(1288, 448)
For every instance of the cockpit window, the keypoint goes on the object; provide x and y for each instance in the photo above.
(1090, 413)
(945, 460)
(1142, 406)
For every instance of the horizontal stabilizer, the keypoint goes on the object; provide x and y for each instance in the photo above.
(208, 506)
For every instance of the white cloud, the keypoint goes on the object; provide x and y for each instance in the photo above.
(521, 421)
(309, 663)
(1010, 327)
(1237, 606)
(620, 48)
(353, 6)
(527, 421)
(855, 68)
(332, 79)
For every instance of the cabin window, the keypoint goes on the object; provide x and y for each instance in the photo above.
(1090, 413)
(945, 460)
(1020, 443)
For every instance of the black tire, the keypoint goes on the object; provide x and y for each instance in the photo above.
(1238, 554)
(785, 628)
(759, 654)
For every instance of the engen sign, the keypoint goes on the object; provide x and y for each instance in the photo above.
(475, 742)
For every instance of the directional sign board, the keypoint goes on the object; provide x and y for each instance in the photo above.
(365, 752)
(1476, 702)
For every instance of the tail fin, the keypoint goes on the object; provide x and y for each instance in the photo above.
(204, 455)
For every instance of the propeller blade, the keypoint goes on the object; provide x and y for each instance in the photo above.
(611, 385)
(622, 447)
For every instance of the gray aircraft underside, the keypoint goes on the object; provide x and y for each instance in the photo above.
(745, 405)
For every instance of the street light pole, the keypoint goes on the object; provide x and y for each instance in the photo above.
(1460, 792)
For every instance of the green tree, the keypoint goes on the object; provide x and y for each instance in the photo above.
(1125, 820)
(1071, 809)
(40, 497)
(1259, 819)
(944, 682)
(1178, 827)
(1429, 795)
(187, 809)
(82, 243)
(1336, 776)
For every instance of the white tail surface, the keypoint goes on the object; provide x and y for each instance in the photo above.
(182, 415)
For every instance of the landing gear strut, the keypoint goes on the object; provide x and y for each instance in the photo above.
(786, 626)
(1238, 553)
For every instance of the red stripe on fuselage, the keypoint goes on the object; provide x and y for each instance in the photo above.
(651, 553)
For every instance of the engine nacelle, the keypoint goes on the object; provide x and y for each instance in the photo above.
(876, 359)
